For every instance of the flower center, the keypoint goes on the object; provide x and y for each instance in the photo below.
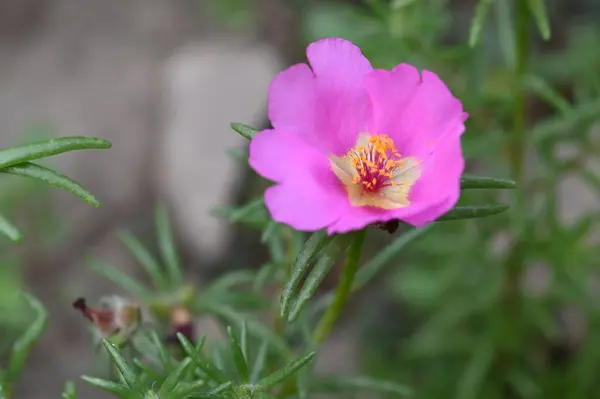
(375, 174)
(375, 162)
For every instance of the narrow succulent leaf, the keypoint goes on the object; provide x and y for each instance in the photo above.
(468, 182)
(163, 354)
(475, 371)
(173, 379)
(259, 362)
(200, 360)
(538, 9)
(119, 361)
(291, 368)
(471, 212)
(481, 12)
(120, 278)
(226, 386)
(115, 388)
(167, 245)
(53, 178)
(25, 343)
(239, 360)
(28, 152)
(244, 340)
(360, 383)
(185, 389)
(9, 230)
(313, 246)
(255, 328)
(316, 276)
(145, 258)
(547, 93)
(69, 391)
(373, 267)
(245, 131)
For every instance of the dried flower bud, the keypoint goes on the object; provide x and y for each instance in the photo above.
(116, 318)
(180, 322)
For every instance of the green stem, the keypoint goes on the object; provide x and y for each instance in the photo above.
(512, 320)
(343, 290)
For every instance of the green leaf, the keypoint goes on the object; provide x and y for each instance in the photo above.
(163, 354)
(238, 356)
(226, 386)
(53, 178)
(471, 212)
(468, 182)
(475, 371)
(69, 391)
(128, 374)
(2, 391)
(173, 379)
(9, 230)
(145, 258)
(353, 384)
(184, 389)
(259, 361)
(24, 153)
(120, 278)
(386, 255)
(538, 9)
(23, 346)
(313, 246)
(167, 246)
(245, 131)
(327, 260)
(291, 368)
(255, 328)
(481, 11)
(244, 340)
(546, 92)
(200, 360)
(116, 388)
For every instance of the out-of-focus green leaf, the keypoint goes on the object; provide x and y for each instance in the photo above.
(119, 361)
(120, 278)
(23, 346)
(115, 388)
(326, 261)
(471, 212)
(69, 391)
(185, 389)
(468, 182)
(167, 246)
(353, 384)
(538, 9)
(286, 371)
(9, 230)
(145, 258)
(53, 178)
(481, 11)
(314, 245)
(241, 363)
(475, 371)
(245, 131)
(505, 31)
(540, 87)
(29, 152)
(386, 255)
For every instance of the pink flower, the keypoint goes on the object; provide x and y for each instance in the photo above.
(352, 145)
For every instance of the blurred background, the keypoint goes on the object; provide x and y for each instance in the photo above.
(471, 310)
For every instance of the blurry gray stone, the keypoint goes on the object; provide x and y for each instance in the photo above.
(207, 86)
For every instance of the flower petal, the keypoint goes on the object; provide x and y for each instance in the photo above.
(279, 155)
(327, 106)
(306, 204)
(416, 113)
(438, 189)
